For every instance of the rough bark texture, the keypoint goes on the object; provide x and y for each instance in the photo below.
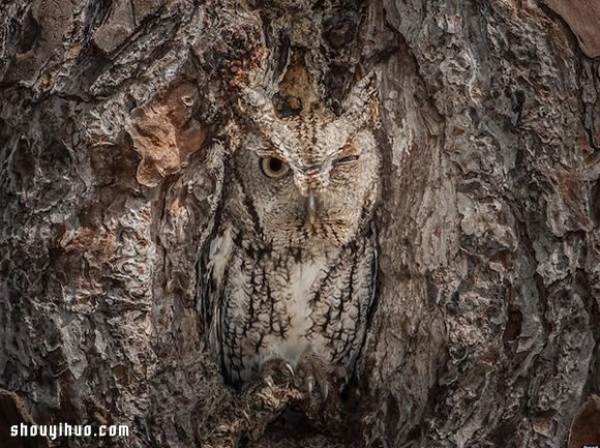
(487, 323)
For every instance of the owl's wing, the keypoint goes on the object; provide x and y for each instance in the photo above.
(205, 296)
(208, 293)
(212, 274)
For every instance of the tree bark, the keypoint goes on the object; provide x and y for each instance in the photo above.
(487, 320)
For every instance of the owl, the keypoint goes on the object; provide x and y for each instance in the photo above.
(288, 274)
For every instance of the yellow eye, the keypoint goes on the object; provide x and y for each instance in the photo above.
(273, 167)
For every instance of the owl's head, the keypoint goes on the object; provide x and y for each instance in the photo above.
(311, 179)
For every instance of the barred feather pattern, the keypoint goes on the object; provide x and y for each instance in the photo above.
(279, 305)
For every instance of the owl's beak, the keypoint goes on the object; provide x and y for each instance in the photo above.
(312, 206)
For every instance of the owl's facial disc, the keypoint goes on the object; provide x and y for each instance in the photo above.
(312, 186)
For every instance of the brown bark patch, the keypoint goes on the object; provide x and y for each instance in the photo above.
(583, 18)
(145, 8)
(42, 34)
(585, 429)
(117, 28)
(84, 252)
(165, 134)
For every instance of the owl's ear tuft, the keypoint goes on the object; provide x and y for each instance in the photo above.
(254, 101)
(256, 111)
(361, 106)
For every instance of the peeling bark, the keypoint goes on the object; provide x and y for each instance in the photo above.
(112, 120)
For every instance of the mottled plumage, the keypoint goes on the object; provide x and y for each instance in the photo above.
(290, 268)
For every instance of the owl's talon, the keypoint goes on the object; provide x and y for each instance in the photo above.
(324, 391)
(320, 382)
(277, 371)
(269, 381)
(290, 369)
(310, 384)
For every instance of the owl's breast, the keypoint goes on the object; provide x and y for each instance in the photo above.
(294, 288)
(281, 305)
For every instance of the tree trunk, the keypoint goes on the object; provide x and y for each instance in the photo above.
(487, 319)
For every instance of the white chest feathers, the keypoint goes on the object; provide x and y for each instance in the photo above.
(295, 305)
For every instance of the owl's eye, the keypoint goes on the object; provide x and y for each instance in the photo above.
(273, 167)
(347, 159)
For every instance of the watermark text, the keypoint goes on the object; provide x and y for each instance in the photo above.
(66, 430)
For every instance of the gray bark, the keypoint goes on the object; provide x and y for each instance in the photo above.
(487, 320)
